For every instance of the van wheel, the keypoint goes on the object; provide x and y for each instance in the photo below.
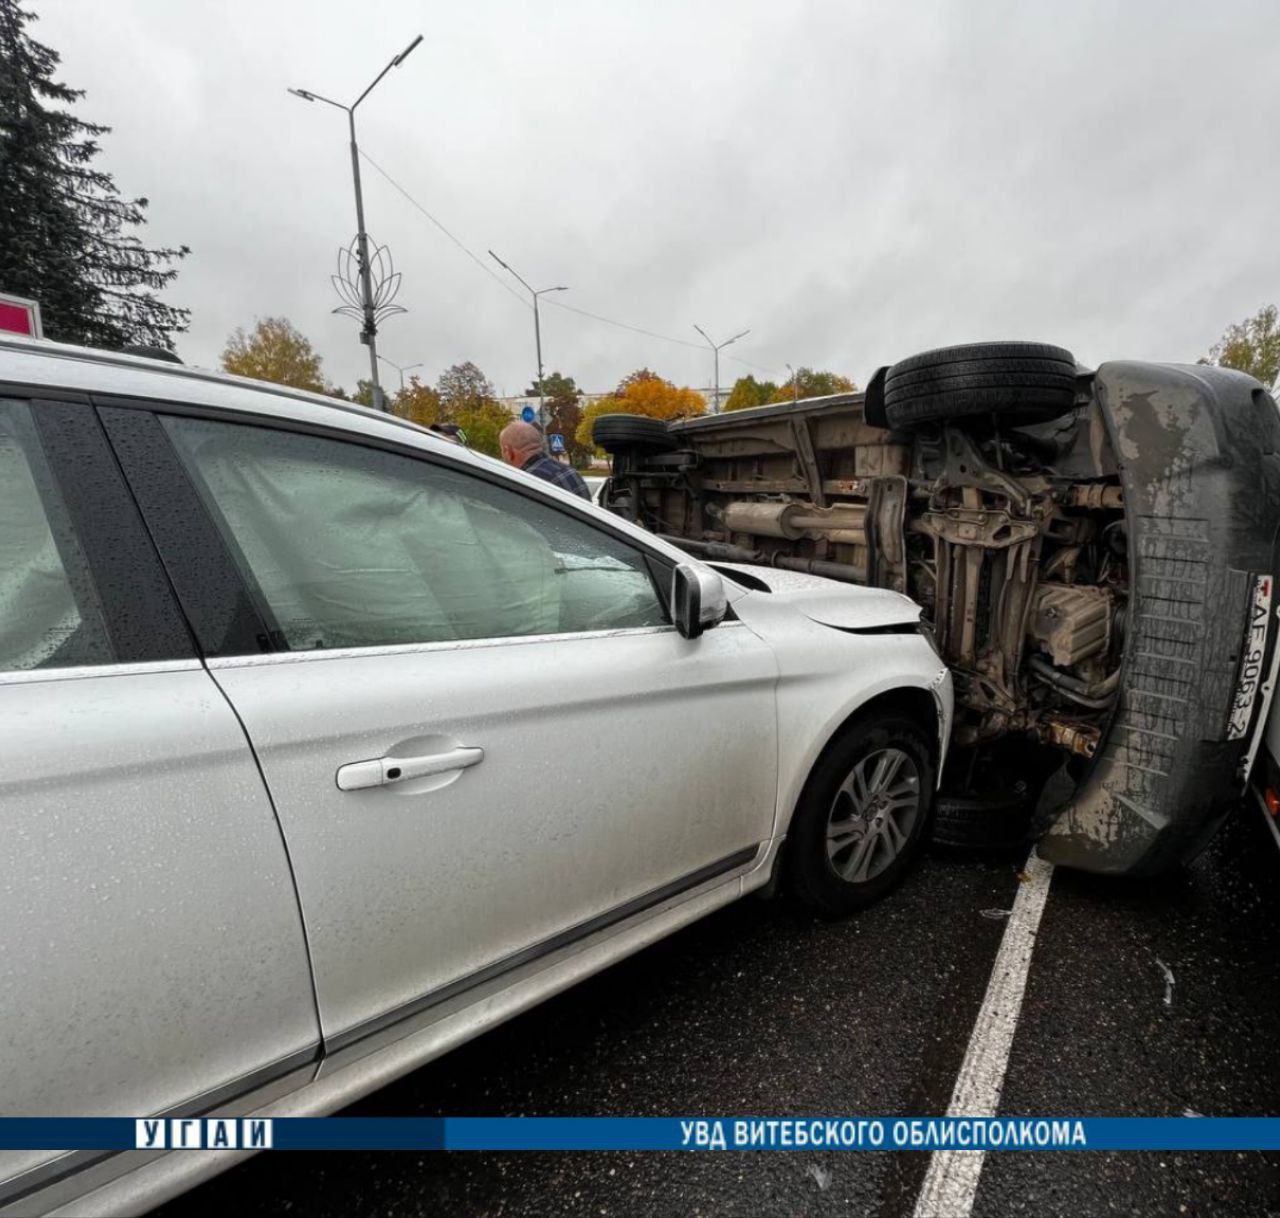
(617, 433)
(1022, 383)
(861, 820)
(998, 818)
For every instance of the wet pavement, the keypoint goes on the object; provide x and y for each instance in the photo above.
(762, 1010)
(1105, 1031)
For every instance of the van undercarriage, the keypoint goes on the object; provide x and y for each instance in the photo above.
(1094, 552)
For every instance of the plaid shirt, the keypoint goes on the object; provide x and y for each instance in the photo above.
(564, 476)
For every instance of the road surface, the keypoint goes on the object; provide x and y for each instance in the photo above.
(1151, 999)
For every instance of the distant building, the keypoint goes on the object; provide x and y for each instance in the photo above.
(516, 405)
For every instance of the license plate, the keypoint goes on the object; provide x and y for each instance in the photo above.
(1255, 646)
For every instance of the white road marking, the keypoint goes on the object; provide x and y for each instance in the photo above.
(951, 1182)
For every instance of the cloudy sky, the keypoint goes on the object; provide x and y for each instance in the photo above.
(851, 181)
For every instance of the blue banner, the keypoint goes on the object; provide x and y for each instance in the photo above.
(642, 1133)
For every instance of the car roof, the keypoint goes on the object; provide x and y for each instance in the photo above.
(39, 363)
(27, 364)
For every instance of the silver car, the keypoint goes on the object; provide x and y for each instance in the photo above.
(329, 745)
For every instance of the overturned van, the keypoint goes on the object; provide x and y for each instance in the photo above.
(1094, 549)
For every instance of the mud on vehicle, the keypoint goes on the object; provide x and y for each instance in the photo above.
(1094, 551)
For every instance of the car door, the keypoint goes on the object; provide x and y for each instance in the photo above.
(151, 947)
(483, 737)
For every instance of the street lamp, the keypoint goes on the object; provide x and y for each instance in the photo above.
(715, 347)
(537, 336)
(401, 371)
(362, 238)
(795, 383)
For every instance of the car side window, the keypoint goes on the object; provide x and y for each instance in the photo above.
(50, 616)
(350, 546)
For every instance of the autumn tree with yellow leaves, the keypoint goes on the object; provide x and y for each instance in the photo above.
(274, 351)
(417, 402)
(812, 383)
(1251, 346)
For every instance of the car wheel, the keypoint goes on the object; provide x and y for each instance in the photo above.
(1021, 383)
(624, 432)
(861, 820)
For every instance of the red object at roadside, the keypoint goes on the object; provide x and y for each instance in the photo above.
(19, 316)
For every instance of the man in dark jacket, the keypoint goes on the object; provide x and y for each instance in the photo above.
(521, 445)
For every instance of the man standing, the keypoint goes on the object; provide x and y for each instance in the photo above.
(521, 445)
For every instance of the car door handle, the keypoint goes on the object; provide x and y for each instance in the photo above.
(387, 771)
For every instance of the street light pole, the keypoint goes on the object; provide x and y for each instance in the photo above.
(715, 347)
(537, 343)
(401, 371)
(370, 329)
(795, 384)
(537, 335)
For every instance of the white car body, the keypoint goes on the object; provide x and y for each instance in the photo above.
(200, 919)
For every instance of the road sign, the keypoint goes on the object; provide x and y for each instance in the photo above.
(20, 316)
(528, 414)
(556, 440)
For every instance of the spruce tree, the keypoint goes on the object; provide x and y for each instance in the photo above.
(67, 236)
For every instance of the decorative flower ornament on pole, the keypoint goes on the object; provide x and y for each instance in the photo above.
(384, 284)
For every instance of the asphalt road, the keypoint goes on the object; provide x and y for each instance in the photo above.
(761, 1009)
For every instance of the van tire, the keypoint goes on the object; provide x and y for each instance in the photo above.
(1021, 383)
(632, 432)
(995, 819)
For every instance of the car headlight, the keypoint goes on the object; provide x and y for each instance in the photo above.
(926, 631)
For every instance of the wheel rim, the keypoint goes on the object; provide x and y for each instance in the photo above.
(872, 815)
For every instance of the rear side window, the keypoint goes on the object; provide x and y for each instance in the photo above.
(50, 616)
(348, 546)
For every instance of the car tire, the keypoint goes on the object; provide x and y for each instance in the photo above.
(1021, 383)
(995, 819)
(836, 872)
(630, 432)
(873, 400)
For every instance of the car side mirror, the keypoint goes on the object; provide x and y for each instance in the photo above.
(698, 601)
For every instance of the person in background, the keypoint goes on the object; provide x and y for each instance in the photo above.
(450, 431)
(521, 445)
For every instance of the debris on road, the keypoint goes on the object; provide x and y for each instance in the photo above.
(821, 1176)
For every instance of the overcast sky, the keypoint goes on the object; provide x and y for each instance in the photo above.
(851, 181)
